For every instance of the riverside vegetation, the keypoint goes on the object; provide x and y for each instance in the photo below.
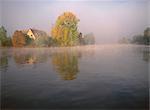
(65, 32)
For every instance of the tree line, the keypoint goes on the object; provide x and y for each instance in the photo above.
(143, 39)
(64, 33)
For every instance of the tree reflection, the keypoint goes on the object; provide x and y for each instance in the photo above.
(66, 64)
(3, 64)
(146, 54)
(3, 60)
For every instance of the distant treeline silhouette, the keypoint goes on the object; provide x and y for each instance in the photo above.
(143, 39)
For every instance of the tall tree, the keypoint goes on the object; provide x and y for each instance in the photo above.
(3, 35)
(4, 40)
(65, 32)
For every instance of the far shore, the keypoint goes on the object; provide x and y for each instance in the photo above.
(81, 46)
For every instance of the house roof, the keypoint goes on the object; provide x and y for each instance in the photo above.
(38, 33)
(24, 31)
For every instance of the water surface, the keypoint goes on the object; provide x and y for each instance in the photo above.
(88, 77)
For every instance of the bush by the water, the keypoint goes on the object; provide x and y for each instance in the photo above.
(4, 40)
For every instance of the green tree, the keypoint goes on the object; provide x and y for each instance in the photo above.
(89, 39)
(142, 39)
(147, 36)
(43, 41)
(4, 40)
(28, 40)
(3, 35)
(138, 39)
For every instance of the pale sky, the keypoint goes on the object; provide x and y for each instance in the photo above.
(149, 13)
(0, 12)
(109, 20)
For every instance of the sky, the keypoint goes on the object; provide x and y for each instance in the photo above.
(149, 13)
(109, 20)
(0, 12)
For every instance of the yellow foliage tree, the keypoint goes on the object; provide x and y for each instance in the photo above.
(65, 31)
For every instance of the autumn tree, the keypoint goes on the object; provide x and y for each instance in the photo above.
(19, 39)
(65, 32)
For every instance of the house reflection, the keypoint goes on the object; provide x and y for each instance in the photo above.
(66, 64)
(24, 59)
(29, 58)
(65, 61)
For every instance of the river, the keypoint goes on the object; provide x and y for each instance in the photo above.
(87, 77)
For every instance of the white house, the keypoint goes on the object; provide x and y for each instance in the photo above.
(34, 33)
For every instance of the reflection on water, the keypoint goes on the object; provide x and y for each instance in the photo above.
(3, 63)
(66, 64)
(29, 58)
(76, 77)
(64, 61)
(146, 54)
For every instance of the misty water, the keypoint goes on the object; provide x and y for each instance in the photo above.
(89, 77)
